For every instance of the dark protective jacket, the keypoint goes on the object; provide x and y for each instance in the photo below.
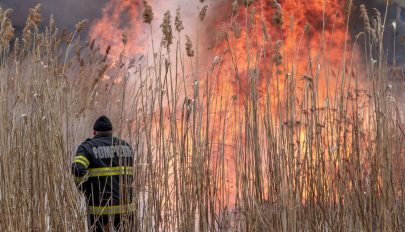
(103, 170)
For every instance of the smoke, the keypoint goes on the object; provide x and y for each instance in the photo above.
(66, 13)
(118, 16)
(393, 42)
(201, 31)
(394, 45)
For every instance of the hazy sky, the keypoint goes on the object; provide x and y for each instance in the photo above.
(66, 12)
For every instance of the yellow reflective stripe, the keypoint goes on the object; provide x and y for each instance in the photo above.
(107, 210)
(110, 171)
(84, 159)
(113, 168)
(81, 162)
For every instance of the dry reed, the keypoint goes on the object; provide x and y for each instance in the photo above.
(204, 161)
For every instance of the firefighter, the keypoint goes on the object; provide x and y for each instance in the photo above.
(103, 169)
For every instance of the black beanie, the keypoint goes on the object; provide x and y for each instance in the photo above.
(102, 124)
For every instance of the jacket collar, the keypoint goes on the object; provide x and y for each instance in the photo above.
(103, 135)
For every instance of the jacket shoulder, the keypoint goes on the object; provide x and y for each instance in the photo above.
(119, 141)
(85, 143)
(85, 147)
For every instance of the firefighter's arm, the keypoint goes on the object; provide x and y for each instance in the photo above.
(81, 164)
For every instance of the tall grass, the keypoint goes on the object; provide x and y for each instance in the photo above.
(206, 160)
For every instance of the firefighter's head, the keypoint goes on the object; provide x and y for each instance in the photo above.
(102, 125)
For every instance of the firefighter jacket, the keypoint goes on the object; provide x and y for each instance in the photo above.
(103, 169)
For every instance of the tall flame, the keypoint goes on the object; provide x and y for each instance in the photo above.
(294, 34)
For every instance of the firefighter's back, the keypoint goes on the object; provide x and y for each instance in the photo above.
(103, 170)
(109, 176)
(106, 167)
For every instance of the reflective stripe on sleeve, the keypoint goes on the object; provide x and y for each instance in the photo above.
(111, 171)
(107, 210)
(82, 160)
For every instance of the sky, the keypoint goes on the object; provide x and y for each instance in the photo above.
(66, 12)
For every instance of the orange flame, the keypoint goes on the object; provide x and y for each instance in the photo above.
(119, 16)
(273, 42)
(312, 32)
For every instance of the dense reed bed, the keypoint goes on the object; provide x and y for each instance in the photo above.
(296, 155)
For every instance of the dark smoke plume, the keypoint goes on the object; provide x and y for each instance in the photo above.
(66, 12)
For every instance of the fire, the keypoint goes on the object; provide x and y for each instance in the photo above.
(278, 41)
(119, 16)
(296, 34)
(308, 29)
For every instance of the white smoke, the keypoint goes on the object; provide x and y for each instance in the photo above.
(189, 10)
